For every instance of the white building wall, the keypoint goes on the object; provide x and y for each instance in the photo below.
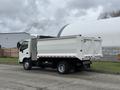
(9, 40)
(107, 29)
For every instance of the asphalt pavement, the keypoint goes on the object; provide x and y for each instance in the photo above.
(13, 77)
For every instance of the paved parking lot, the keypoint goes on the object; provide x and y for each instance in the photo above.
(13, 77)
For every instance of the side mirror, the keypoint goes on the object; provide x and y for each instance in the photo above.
(18, 45)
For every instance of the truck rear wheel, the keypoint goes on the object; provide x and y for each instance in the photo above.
(27, 65)
(63, 67)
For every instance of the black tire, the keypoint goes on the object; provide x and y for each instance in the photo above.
(75, 69)
(27, 65)
(63, 67)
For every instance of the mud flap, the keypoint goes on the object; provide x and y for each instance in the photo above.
(86, 65)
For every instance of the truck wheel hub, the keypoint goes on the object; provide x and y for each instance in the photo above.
(26, 64)
(61, 68)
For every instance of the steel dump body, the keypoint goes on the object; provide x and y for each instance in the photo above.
(83, 48)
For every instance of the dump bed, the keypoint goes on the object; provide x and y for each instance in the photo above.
(70, 47)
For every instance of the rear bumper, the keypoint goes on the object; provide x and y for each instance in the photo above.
(92, 57)
(86, 62)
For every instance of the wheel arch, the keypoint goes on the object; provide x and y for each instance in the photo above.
(24, 59)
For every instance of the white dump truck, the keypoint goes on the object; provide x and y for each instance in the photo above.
(62, 53)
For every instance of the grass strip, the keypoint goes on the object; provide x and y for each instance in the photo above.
(106, 66)
(8, 60)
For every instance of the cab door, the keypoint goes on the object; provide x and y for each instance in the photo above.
(24, 51)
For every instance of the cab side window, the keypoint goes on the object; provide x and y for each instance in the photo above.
(24, 45)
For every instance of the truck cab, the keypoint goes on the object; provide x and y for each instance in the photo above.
(24, 50)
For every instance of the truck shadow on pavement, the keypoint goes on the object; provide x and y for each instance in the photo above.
(53, 72)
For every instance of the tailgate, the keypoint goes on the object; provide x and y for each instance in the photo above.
(91, 47)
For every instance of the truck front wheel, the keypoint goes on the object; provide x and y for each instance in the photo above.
(63, 67)
(27, 65)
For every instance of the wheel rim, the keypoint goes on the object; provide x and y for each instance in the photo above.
(61, 68)
(26, 65)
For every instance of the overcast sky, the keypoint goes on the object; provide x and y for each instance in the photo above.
(48, 16)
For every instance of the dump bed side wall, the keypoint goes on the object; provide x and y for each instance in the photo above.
(63, 47)
(83, 48)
